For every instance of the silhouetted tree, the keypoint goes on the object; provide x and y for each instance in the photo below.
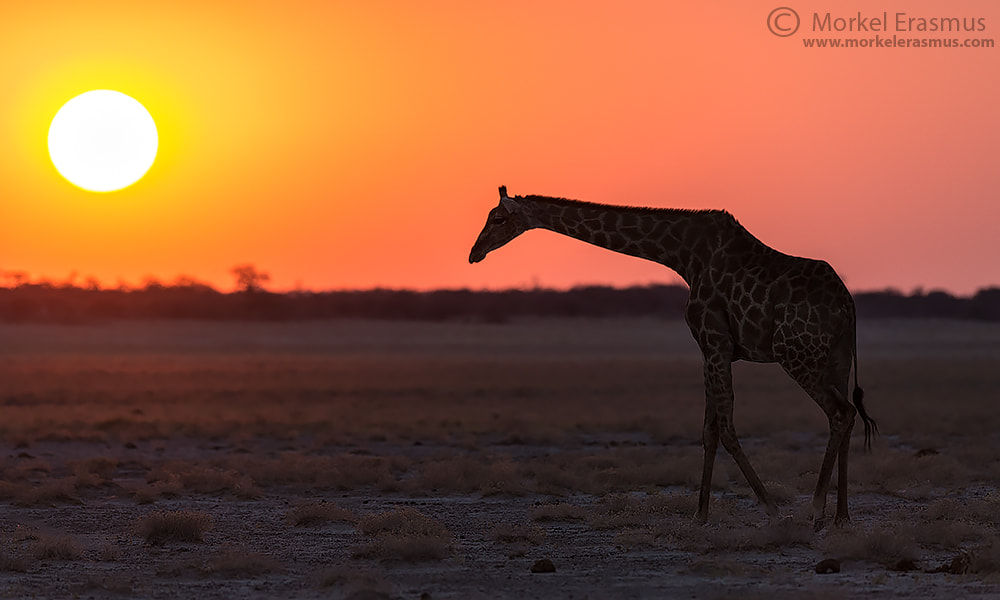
(16, 278)
(249, 279)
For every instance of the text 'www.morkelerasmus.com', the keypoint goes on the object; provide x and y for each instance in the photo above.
(881, 30)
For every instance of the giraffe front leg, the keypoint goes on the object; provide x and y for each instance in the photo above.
(719, 386)
(732, 445)
(710, 442)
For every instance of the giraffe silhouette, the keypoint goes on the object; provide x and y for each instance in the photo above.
(747, 302)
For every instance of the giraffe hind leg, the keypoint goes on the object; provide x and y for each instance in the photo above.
(842, 458)
(841, 417)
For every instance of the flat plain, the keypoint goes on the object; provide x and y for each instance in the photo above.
(554, 458)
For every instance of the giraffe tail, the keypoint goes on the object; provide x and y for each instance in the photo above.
(859, 396)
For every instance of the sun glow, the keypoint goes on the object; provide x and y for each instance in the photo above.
(103, 141)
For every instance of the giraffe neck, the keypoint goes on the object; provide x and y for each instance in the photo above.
(680, 239)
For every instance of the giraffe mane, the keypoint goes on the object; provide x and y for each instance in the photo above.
(641, 209)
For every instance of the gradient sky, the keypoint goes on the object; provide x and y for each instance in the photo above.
(360, 144)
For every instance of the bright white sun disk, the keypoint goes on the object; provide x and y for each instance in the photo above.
(103, 141)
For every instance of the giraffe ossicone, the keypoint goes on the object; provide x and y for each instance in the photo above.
(747, 302)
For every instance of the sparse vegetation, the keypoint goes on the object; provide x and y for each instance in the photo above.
(160, 527)
(56, 547)
(13, 563)
(881, 544)
(464, 445)
(404, 534)
(46, 493)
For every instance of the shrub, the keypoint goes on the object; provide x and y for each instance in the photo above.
(56, 548)
(405, 534)
(176, 526)
(47, 493)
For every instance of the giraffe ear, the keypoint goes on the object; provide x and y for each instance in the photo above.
(506, 201)
(509, 204)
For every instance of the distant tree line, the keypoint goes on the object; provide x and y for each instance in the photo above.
(187, 299)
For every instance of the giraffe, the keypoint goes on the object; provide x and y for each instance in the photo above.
(747, 302)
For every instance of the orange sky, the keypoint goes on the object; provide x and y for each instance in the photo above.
(353, 145)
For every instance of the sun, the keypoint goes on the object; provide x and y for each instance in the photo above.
(103, 141)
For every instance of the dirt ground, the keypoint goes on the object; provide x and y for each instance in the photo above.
(532, 459)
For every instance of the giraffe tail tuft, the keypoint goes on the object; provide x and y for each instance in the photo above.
(859, 397)
(870, 426)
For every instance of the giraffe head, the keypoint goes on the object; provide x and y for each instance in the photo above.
(504, 223)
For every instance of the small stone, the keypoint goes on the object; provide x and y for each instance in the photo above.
(543, 565)
(827, 566)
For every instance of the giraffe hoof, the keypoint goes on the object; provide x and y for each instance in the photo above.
(844, 521)
(819, 524)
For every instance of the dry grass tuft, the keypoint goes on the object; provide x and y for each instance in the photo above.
(619, 510)
(781, 493)
(312, 514)
(204, 479)
(152, 492)
(404, 534)
(161, 527)
(93, 472)
(110, 552)
(13, 563)
(883, 545)
(56, 548)
(630, 510)
(48, 493)
(782, 533)
(984, 558)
